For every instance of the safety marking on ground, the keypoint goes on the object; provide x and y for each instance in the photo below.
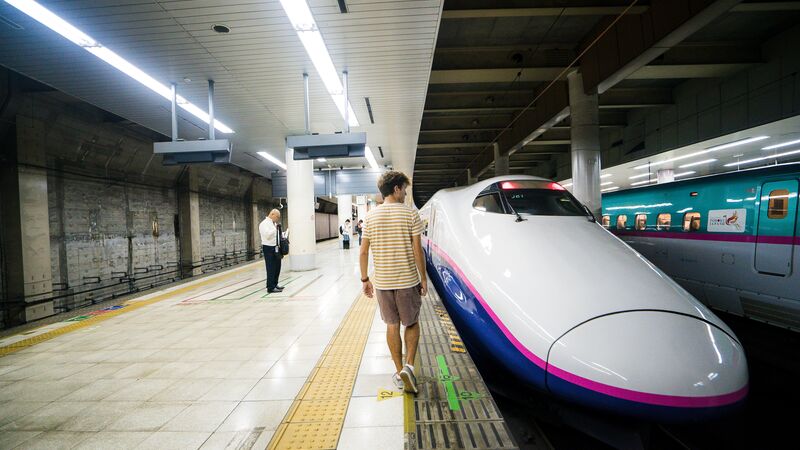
(454, 397)
(315, 419)
(456, 344)
(386, 394)
(130, 305)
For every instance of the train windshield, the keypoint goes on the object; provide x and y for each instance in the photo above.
(541, 198)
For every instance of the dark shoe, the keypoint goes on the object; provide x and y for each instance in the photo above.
(280, 287)
(271, 291)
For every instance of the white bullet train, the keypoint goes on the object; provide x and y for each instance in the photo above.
(542, 293)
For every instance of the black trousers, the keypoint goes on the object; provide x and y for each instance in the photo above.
(273, 261)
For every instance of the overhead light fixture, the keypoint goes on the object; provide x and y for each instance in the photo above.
(783, 144)
(78, 37)
(605, 175)
(643, 182)
(612, 188)
(321, 159)
(567, 185)
(273, 160)
(371, 158)
(606, 183)
(748, 161)
(640, 176)
(697, 163)
(703, 152)
(304, 24)
(683, 174)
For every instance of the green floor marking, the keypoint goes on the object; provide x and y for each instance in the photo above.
(447, 379)
(285, 282)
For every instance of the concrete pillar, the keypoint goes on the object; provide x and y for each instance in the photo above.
(500, 162)
(26, 225)
(345, 208)
(302, 232)
(665, 175)
(585, 138)
(252, 220)
(470, 179)
(189, 223)
(361, 205)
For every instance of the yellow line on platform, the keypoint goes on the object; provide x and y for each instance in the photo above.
(315, 419)
(130, 305)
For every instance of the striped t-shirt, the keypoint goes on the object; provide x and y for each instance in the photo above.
(389, 228)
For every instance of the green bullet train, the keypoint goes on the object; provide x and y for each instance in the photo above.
(731, 240)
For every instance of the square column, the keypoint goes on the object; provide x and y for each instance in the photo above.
(500, 162)
(189, 223)
(585, 142)
(302, 226)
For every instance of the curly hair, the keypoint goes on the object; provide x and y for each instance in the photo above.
(389, 180)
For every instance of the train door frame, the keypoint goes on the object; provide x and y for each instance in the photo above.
(774, 250)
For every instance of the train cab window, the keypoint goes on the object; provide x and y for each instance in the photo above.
(489, 203)
(622, 219)
(691, 221)
(540, 198)
(641, 221)
(606, 221)
(778, 204)
(663, 221)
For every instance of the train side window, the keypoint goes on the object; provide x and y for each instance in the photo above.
(489, 203)
(606, 221)
(641, 221)
(663, 221)
(778, 204)
(691, 221)
(622, 219)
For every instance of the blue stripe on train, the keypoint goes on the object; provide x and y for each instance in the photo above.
(493, 352)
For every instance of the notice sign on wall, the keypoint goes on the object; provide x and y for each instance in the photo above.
(727, 220)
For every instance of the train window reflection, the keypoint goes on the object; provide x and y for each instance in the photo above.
(621, 221)
(778, 204)
(606, 221)
(641, 221)
(691, 221)
(663, 221)
(489, 203)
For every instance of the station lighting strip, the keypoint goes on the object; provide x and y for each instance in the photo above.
(272, 159)
(703, 152)
(78, 37)
(763, 158)
(304, 24)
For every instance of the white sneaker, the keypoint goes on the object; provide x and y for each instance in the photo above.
(409, 379)
(398, 382)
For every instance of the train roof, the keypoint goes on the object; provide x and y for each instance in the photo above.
(474, 189)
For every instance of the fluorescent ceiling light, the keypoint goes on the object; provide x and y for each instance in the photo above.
(640, 176)
(371, 158)
(321, 159)
(748, 161)
(605, 176)
(643, 182)
(304, 24)
(78, 37)
(783, 144)
(612, 188)
(606, 183)
(683, 174)
(272, 159)
(702, 152)
(706, 161)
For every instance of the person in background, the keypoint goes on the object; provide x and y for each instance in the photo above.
(269, 229)
(392, 231)
(360, 230)
(347, 230)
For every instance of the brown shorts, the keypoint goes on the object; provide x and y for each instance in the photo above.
(399, 305)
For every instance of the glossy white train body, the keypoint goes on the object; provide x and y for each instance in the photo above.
(565, 307)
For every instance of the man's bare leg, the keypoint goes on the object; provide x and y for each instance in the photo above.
(412, 339)
(395, 344)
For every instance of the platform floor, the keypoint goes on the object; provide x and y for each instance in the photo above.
(218, 363)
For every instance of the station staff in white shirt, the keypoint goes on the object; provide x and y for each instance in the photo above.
(270, 246)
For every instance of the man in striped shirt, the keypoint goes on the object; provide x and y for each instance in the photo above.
(392, 231)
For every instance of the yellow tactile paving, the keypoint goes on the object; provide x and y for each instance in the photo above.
(316, 417)
(130, 305)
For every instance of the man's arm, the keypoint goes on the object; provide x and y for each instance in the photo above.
(419, 258)
(363, 260)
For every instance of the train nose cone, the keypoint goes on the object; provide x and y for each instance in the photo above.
(657, 365)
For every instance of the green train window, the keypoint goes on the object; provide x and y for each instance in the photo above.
(778, 204)
(663, 221)
(691, 221)
(641, 221)
(621, 220)
(606, 221)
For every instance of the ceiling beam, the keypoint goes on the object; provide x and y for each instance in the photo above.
(766, 6)
(479, 110)
(459, 130)
(539, 12)
(453, 145)
(680, 71)
(461, 76)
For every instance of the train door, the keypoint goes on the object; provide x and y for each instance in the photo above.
(776, 227)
